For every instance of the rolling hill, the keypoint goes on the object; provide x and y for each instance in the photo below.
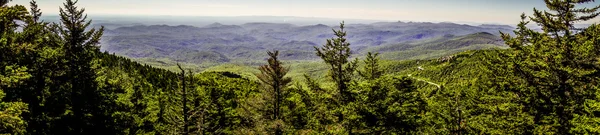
(219, 43)
(439, 46)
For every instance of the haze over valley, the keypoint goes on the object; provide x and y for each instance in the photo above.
(224, 43)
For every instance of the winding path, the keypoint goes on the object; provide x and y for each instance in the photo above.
(419, 79)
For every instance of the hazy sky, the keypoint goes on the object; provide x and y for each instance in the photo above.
(477, 11)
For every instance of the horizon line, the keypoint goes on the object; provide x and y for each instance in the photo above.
(305, 17)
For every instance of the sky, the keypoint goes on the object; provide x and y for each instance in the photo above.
(473, 11)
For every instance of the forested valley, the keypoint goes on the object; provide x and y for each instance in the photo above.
(55, 80)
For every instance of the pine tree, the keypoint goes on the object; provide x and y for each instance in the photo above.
(43, 68)
(184, 101)
(80, 47)
(371, 70)
(336, 53)
(273, 76)
(35, 12)
(558, 67)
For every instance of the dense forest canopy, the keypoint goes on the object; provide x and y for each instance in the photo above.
(55, 80)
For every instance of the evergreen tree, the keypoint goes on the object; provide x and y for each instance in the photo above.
(43, 66)
(321, 108)
(273, 76)
(11, 14)
(29, 48)
(299, 104)
(80, 46)
(336, 53)
(11, 121)
(558, 66)
(387, 105)
(53, 80)
(140, 94)
(184, 101)
(371, 70)
(35, 12)
(13, 72)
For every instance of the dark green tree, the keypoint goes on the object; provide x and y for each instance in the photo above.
(184, 101)
(389, 105)
(80, 45)
(224, 99)
(44, 67)
(35, 12)
(11, 74)
(16, 50)
(558, 67)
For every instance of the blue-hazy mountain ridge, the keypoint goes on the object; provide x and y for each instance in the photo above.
(220, 43)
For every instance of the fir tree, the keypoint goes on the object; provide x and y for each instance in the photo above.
(273, 76)
(184, 101)
(336, 53)
(80, 47)
(371, 70)
(558, 66)
(35, 12)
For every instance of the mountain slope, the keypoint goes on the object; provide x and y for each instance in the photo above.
(249, 41)
(440, 46)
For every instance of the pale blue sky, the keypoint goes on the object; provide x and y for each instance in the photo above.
(477, 11)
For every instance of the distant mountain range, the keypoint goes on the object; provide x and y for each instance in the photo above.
(112, 21)
(222, 43)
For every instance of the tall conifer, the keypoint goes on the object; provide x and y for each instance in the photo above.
(558, 65)
(273, 76)
(371, 70)
(336, 53)
(80, 46)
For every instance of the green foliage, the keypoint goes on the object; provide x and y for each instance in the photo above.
(83, 108)
(556, 70)
(54, 80)
(273, 77)
(336, 53)
(371, 70)
(226, 102)
(389, 105)
(141, 101)
(10, 112)
(12, 73)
